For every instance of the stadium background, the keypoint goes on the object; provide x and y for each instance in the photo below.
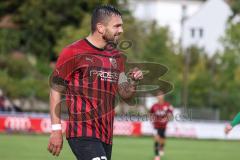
(205, 94)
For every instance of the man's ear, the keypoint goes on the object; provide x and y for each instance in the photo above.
(100, 28)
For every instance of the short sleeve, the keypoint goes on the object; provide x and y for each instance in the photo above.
(152, 109)
(63, 69)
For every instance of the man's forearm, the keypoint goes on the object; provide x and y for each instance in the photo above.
(127, 93)
(236, 120)
(127, 86)
(126, 90)
(55, 107)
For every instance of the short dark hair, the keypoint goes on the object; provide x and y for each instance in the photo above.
(101, 13)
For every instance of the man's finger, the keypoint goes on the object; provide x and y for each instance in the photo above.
(54, 150)
(58, 151)
(138, 74)
(135, 73)
(50, 147)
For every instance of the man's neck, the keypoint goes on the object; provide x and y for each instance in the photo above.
(161, 102)
(96, 40)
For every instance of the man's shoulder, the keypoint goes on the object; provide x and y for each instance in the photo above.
(72, 50)
(168, 104)
(155, 105)
(77, 45)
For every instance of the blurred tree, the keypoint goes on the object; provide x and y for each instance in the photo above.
(159, 48)
(135, 33)
(227, 80)
(41, 21)
(226, 85)
(23, 80)
(232, 37)
(199, 78)
(235, 6)
(9, 40)
(69, 33)
(10, 6)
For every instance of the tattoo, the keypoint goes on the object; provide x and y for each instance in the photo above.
(126, 90)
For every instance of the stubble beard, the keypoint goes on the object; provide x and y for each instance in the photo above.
(110, 38)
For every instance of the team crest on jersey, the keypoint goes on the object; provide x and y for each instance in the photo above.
(113, 62)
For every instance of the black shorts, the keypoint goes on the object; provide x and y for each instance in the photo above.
(161, 132)
(90, 149)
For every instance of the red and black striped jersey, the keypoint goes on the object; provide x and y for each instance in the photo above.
(90, 76)
(160, 114)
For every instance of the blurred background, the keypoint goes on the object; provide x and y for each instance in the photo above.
(197, 40)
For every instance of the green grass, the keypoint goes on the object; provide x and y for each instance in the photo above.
(34, 147)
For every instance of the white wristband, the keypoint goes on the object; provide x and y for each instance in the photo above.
(56, 127)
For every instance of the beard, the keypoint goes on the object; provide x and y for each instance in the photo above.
(111, 37)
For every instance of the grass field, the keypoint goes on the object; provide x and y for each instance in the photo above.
(30, 147)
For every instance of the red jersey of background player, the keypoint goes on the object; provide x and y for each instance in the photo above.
(160, 114)
(90, 76)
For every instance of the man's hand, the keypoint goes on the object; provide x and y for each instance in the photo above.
(228, 128)
(136, 74)
(55, 142)
(127, 88)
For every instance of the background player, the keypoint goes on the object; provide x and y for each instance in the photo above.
(162, 112)
(235, 121)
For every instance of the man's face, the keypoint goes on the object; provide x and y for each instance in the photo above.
(113, 29)
(161, 98)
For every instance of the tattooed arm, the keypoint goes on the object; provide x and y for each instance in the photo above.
(126, 90)
(127, 86)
